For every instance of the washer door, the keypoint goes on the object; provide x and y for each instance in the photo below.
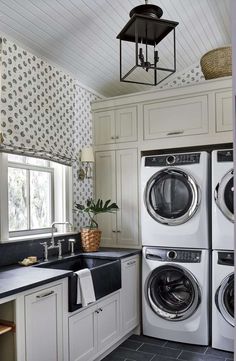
(173, 292)
(224, 195)
(171, 196)
(224, 299)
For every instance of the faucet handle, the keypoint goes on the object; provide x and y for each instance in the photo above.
(71, 243)
(45, 246)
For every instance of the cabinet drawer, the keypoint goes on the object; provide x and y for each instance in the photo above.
(224, 111)
(178, 117)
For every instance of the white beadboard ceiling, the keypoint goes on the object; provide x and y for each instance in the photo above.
(80, 35)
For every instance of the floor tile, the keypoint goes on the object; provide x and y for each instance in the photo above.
(225, 354)
(193, 356)
(131, 344)
(113, 358)
(133, 355)
(159, 350)
(186, 347)
(163, 358)
(146, 339)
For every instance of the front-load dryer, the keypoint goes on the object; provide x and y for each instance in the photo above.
(175, 298)
(174, 208)
(223, 300)
(222, 200)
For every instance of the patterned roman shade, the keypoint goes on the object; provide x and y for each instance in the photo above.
(37, 106)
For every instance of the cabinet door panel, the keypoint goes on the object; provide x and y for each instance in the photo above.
(106, 189)
(104, 127)
(130, 296)
(127, 196)
(126, 125)
(108, 322)
(224, 111)
(83, 335)
(176, 117)
(43, 312)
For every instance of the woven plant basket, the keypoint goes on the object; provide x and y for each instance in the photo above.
(90, 239)
(217, 63)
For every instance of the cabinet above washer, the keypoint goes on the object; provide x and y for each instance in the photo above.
(116, 126)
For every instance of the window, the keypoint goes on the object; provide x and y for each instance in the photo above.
(30, 193)
(33, 194)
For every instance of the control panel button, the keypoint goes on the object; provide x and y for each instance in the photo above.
(172, 255)
(170, 159)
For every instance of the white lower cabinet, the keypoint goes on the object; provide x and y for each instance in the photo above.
(43, 325)
(94, 330)
(130, 294)
(83, 335)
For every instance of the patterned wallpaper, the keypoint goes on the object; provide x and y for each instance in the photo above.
(37, 106)
(191, 75)
(82, 137)
(45, 112)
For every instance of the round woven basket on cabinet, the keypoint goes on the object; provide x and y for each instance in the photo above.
(90, 239)
(217, 63)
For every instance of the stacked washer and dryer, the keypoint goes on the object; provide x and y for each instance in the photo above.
(223, 250)
(175, 239)
(177, 251)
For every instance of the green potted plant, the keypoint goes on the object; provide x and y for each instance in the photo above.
(91, 235)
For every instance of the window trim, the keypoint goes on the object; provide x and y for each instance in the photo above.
(30, 167)
(63, 190)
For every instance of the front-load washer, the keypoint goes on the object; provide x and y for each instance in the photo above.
(174, 200)
(175, 294)
(222, 200)
(223, 300)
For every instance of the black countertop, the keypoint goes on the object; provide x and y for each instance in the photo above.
(15, 279)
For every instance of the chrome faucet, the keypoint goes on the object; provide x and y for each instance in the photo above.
(52, 244)
(53, 226)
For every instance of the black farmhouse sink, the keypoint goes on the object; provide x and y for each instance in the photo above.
(106, 275)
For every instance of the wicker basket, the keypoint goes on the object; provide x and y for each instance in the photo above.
(90, 239)
(217, 63)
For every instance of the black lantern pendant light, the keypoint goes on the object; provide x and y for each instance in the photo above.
(146, 30)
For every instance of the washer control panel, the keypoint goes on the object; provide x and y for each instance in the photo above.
(225, 156)
(172, 159)
(226, 258)
(173, 255)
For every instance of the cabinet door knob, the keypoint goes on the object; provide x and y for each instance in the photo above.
(113, 137)
(117, 137)
(130, 263)
(45, 294)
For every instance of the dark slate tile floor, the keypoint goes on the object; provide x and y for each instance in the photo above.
(142, 348)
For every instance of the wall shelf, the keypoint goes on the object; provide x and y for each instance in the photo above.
(6, 326)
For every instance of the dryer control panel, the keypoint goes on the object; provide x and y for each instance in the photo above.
(173, 255)
(172, 159)
(225, 156)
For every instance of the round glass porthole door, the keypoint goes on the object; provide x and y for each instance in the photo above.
(171, 196)
(225, 299)
(173, 293)
(224, 195)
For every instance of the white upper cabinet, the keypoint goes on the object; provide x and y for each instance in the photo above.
(115, 126)
(224, 111)
(117, 179)
(179, 117)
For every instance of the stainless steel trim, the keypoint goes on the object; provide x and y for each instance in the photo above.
(196, 194)
(219, 195)
(219, 299)
(45, 294)
(175, 316)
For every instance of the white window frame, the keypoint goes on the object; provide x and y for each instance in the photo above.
(62, 201)
(28, 167)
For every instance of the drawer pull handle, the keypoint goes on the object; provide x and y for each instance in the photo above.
(176, 132)
(130, 263)
(45, 294)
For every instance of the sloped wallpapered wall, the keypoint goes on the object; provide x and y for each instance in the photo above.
(191, 75)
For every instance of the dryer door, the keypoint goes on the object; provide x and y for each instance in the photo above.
(171, 196)
(224, 195)
(173, 292)
(224, 299)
